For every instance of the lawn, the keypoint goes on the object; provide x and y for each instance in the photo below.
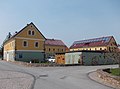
(115, 71)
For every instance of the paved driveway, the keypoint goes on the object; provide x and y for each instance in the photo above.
(74, 77)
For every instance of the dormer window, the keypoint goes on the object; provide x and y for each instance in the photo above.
(30, 32)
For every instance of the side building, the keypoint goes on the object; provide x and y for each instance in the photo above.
(96, 51)
(26, 45)
(53, 46)
(60, 58)
(96, 44)
(90, 58)
(86, 58)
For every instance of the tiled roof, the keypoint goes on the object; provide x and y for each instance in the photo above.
(26, 27)
(22, 30)
(54, 42)
(102, 41)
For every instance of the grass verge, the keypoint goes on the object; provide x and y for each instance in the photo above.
(115, 71)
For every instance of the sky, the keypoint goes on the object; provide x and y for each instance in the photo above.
(67, 20)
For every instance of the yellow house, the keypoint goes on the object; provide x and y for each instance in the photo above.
(96, 44)
(53, 46)
(26, 45)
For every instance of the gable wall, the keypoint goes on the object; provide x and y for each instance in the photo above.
(24, 33)
(112, 46)
(31, 39)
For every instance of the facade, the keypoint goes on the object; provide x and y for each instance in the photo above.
(97, 44)
(53, 46)
(60, 58)
(26, 45)
(90, 58)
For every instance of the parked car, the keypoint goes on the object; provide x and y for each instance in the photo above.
(51, 59)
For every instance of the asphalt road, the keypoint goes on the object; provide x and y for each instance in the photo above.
(74, 77)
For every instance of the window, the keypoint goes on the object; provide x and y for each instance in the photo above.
(12, 44)
(53, 49)
(29, 32)
(20, 56)
(32, 33)
(36, 44)
(100, 48)
(49, 49)
(95, 49)
(25, 43)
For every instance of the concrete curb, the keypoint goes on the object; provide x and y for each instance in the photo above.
(93, 76)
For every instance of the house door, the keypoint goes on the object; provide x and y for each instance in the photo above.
(7, 56)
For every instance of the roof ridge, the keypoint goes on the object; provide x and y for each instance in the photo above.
(18, 32)
(93, 38)
(53, 39)
(21, 30)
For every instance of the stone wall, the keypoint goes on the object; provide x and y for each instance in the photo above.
(42, 64)
(113, 80)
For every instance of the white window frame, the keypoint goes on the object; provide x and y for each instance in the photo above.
(31, 31)
(23, 43)
(28, 32)
(35, 44)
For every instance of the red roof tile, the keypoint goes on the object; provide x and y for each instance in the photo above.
(54, 42)
(102, 41)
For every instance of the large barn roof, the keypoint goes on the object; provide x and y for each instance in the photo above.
(102, 41)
